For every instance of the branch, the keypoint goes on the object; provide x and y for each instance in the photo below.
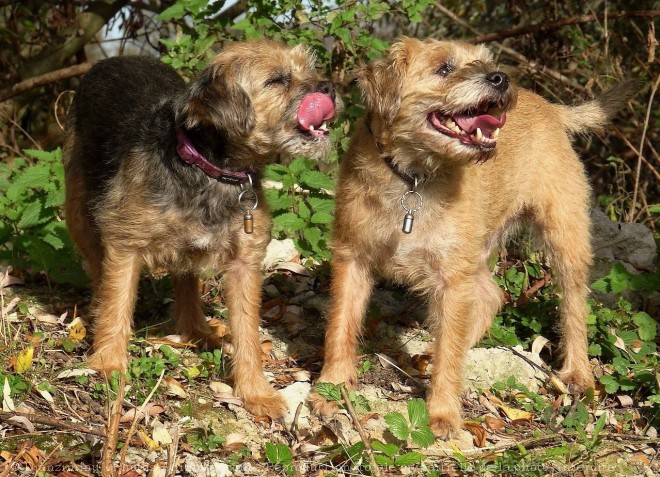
(57, 423)
(356, 422)
(28, 84)
(555, 25)
(87, 24)
(513, 53)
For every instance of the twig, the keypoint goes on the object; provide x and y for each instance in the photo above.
(294, 424)
(555, 25)
(394, 365)
(57, 102)
(138, 416)
(513, 53)
(107, 469)
(172, 451)
(51, 421)
(641, 146)
(356, 422)
(31, 83)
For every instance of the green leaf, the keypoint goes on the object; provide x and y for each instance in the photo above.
(321, 218)
(278, 200)
(321, 204)
(49, 156)
(389, 450)
(313, 236)
(276, 172)
(409, 458)
(355, 451)
(423, 437)
(303, 211)
(611, 384)
(278, 453)
(329, 391)
(53, 241)
(175, 11)
(31, 216)
(289, 221)
(382, 460)
(316, 180)
(300, 165)
(33, 177)
(418, 413)
(397, 425)
(647, 326)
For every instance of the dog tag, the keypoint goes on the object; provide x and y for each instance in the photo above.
(248, 222)
(408, 220)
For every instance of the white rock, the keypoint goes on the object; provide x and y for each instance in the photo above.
(293, 395)
(279, 251)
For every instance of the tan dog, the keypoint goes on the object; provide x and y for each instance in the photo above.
(164, 174)
(442, 128)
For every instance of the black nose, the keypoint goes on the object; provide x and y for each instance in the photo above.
(326, 87)
(499, 80)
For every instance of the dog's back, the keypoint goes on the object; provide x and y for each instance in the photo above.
(114, 103)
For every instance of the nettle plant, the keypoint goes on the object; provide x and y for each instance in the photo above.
(33, 235)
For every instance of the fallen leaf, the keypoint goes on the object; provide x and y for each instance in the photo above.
(218, 387)
(619, 343)
(7, 280)
(636, 346)
(228, 398)
(148, 442)
(151, 409)
(73, 373)
(24, 360)
(369, 417)
(10, 306)
(494, 423)
(235, 441)
(558, 384)
(23, 422)
(420, 362)
(46, 395)
(538, 344)
(625, 400)
(267, 347)
(160, 434)
(385, 361)
(42, 316)
(478, 433)
(302, 376)
(401, 388)
(516, 414)
(77, 331)
(175, 388)
(294, 268)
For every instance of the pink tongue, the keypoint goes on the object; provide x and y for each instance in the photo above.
(314, 109)
(487, 123)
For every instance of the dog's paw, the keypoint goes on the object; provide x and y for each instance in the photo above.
(106, 361)
(445, 428)
(270, 404)
(322, 406)
(577, 381)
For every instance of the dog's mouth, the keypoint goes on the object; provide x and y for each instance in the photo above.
(474, 127)
(313, 113)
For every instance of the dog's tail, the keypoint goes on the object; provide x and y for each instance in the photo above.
(596, 114)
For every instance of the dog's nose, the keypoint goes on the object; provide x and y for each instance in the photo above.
(326, 87)
(499, 80)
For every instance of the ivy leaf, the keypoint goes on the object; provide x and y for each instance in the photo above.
(397, 425)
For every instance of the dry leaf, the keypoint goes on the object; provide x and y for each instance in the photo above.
(636, 346)
(625, 400)
(516, 414)
(235, 441)
(228, 398)
(619, 341)
(267, 347)
(218, 387)
(7, 280)
(47, 396)
(385, 361)
(23, 422)
(7, 401)
(10, 306)
(150, 409)
(558, 384)
(420, 362)
(294, 268)
(160, 434)
(42, 316)
(494, 423)
(148, 442)
(538, 344)
(73, 373)
(175, 388)
(478, 433)
(77, 331)
(24, 360)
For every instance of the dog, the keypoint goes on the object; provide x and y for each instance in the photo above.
(450, 156)
(165, 174)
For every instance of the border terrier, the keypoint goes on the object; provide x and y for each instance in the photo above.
(164, 174)
(451, 156)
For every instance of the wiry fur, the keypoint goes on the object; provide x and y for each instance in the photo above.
(131, 200)
(471, 197)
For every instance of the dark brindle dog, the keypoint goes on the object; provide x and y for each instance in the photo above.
(163, 174)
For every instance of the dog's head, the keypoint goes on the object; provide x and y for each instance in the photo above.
(264, 98)
(436, 99)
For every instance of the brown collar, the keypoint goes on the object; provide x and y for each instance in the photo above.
(189, 154)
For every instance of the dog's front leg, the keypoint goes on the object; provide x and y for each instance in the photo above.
(243, 295)
(450, 309)
(112, 309)
(351, 287)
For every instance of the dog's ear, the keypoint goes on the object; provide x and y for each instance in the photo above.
(380, 82)
(214, 99)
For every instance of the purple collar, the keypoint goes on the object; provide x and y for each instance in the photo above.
(190, 155)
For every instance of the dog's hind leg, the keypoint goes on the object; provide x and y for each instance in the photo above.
(190, 320)
(564, 224)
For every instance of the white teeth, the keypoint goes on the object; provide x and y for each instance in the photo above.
(311, 127)
(324, 126)
(479, 134)
(450, 123)
(496, 133)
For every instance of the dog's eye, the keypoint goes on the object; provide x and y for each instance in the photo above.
(279, 79)
(445, 69)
